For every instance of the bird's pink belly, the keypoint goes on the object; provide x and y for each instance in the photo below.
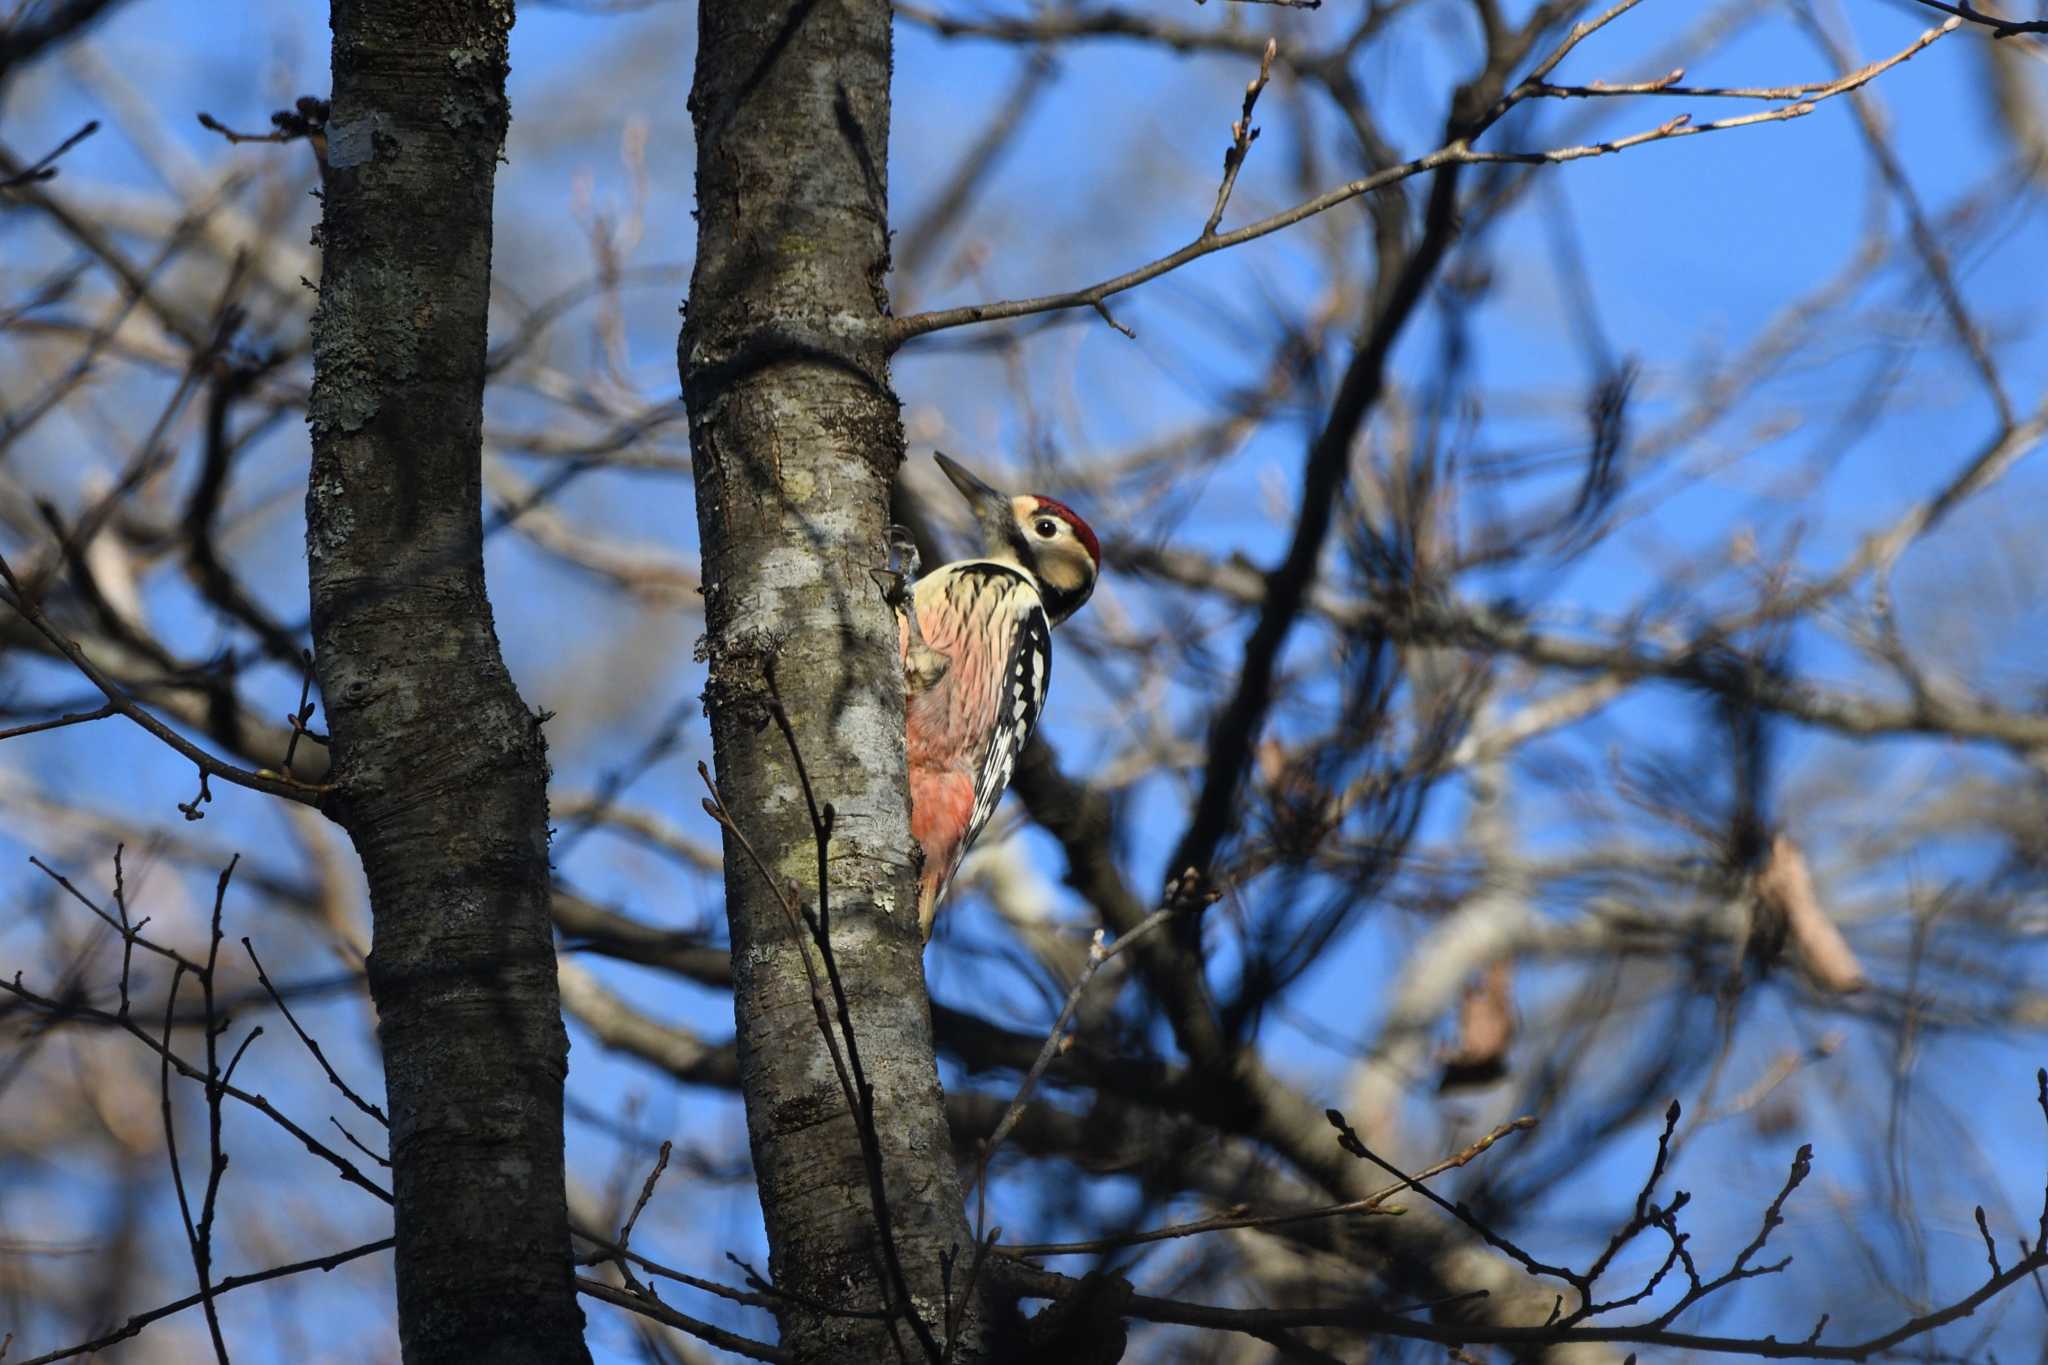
(941, 803)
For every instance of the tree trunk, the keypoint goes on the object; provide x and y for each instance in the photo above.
(795, 443)
(442, 770)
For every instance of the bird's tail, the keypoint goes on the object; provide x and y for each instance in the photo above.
(931, 890)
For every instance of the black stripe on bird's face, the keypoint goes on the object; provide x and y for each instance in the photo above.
(1060, 603)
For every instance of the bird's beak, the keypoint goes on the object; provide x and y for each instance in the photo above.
(992, 510)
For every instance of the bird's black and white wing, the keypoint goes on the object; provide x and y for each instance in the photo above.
(1026, 676)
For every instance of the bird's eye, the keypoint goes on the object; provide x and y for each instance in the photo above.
(1047, 527)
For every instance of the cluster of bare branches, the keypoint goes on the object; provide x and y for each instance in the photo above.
(76, 1003)
(1014, 1267)
(1525, 754)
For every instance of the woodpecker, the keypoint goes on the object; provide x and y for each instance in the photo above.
(977, 659)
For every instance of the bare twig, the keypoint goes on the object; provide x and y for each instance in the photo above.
(131, 934)
(669, 1317)
(312, 1045)
(306, 119)
(1056, 1039)
(302, 713)
(1990, 1247)
(1372, 1203)
(290, 788)
(134, 1325)
(352, 1140)
(45, 168)
(201, 1254)
(1933, 258)
(605, 1250)
(72, 1009)
(1033, 1282)
(639, 1205)
(1242, 135)
(1564, 1331)
(58, 723)
(1348, 1138)
(2000, 27)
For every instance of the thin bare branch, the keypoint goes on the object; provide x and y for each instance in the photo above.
(289, 788)
(1458, 152)
(654, 1308)
(1242, 135)
(134, 1325)
(45, 167)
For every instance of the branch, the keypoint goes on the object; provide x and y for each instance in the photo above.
(1056, 1041)
(100, 242)
(45, 168)
(1372, 1203)
(1052, 26)
(1348, 1138)
(1032, 1282)
(135, 1324)
(660, 1312)
(608, 1251)
(1457, 152)
(1692, 661)
(1323, 481)
(1940, 273)
(307, 118)
(72, 1009)
(312, 1046)
(1242, 135)
(200, 1248)
(59, 722)
(2000, 28)
(615, 1024)
(209, 766)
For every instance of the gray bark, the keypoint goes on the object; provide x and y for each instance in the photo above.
(796, 441)
(442, 769)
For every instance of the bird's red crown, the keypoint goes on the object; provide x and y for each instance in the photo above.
(1082, 531)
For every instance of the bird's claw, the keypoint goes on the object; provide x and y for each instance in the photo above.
(900, 568)
(903, 557)
(923, 666)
